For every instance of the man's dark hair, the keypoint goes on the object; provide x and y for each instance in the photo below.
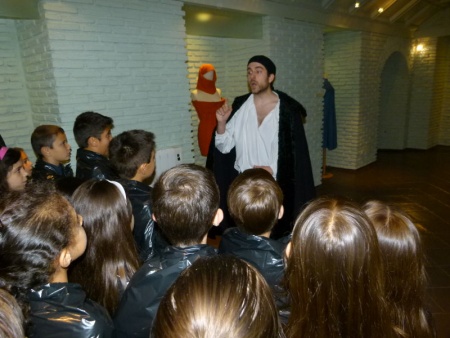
(129, 150)
(90, 124)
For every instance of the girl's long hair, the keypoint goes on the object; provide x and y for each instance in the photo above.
(11, 157)
(334, 274)
(111, 257)
(405, 276)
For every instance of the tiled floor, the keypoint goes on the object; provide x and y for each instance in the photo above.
(418, 181)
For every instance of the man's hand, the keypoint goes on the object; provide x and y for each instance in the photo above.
(222, 115)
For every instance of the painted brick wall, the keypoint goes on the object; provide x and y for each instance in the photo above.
(442, 91)
(123, 58)
(423, 70)
(353, 63)
(15, 120)
(300, 77)
(342, 67)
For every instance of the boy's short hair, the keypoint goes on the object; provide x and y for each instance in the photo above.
(185, 202)
(90, 124)
(44, 136)
(254, 201)
(129, 150)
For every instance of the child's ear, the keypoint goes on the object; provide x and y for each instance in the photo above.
(65, 258)
(44, 151)
(92, 142)
(281, 213)
(218, 217)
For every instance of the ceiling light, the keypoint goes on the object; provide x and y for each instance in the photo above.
(356, 4)
(380, 10)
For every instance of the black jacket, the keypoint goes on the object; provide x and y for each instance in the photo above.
(263, 253)
(294, 173)
(46, 171)
(140, 301)
(62, 310)
(93, 165)
(146, 234)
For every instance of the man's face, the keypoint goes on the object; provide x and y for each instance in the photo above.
(59, 151)
(258, 79)
(103, 145)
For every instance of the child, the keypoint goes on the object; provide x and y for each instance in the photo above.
(92, 132)
(40, 236)
(111, 254)
(132, 155)
(219, 296)
(405, 277)
(27, 164)
(13, 176)
(11, 317)
(50, 145)
(255, 202)
(185, 206)
(334, 274)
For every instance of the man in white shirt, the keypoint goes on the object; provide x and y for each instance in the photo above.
(265, 129)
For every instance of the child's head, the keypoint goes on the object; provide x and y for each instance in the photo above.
(186, 204)
(111, 252)
(333, 272)
(403, 258)
(255, 201)
(40, 233)
(92, 131)
(219, 296)
(132, 154)
(27, 164)
(11, 317)
(49, 143)
(13, 176)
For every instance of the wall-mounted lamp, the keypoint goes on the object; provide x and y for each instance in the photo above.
(204, 17)
(419, 48)
(357, 4)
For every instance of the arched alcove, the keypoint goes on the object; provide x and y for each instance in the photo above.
(393, 115)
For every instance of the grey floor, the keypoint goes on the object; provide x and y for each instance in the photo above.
(419, 182)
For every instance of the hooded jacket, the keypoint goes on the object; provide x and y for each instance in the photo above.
(46, 171)
(265, 254)
(140, 301)
(62, 310)
(93, 165)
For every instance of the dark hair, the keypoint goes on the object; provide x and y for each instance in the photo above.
(12, 156)
(35, 226)
(405, 276)
(11, 317)
(130, 149)
(334, 274)
(254, 201)
(66, 186)
(185, 201)
(90, 124)
(44, 136)
(110, 252)
(218, 296)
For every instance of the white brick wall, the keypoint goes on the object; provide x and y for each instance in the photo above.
(15, 118)
(124, 58)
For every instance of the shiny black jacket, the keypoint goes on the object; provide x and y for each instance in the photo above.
(146, 234)
(62, 310)
(93, 165)
(263, 253)
(140, 301)
(46, 171)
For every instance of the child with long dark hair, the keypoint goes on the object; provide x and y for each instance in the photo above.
(40, 236)
(334, 274)
(405, 277)
(111, 257)
(13, 176)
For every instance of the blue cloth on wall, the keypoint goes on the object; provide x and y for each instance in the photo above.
(329, 117)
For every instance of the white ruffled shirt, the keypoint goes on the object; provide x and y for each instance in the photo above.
(255, 145)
